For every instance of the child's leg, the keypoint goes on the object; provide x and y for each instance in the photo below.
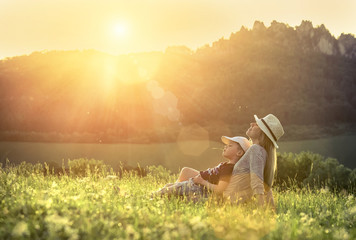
(168, 185)
(187, 173)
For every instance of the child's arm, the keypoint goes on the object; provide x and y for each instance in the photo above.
(217, 188)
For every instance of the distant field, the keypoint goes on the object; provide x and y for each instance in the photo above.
(197, 154)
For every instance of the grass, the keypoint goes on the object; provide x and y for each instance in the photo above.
(39, 206)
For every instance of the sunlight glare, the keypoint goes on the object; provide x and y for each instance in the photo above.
(120, 29)
(109, 75)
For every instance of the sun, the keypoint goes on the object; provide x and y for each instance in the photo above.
(120, 29)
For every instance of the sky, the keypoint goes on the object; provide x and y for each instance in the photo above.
(121, 27)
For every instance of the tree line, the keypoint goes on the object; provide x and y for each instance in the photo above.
(295, 73)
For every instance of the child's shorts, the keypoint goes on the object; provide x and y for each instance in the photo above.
(187, 189)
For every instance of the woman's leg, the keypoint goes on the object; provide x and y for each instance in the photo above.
(187, 173)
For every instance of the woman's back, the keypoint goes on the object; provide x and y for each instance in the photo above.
(247, 175)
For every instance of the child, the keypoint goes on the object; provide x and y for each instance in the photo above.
(193, 182)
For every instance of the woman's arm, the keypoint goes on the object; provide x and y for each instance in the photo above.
(257, 164)
(270, 200)
(269, 203)
(217, 188)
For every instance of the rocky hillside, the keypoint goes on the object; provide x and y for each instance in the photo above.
(305, 37)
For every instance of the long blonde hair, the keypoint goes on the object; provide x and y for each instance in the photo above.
(271, 161)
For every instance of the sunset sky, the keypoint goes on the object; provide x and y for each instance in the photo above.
(118, 27)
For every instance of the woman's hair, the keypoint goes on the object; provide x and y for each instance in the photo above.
(271, 162)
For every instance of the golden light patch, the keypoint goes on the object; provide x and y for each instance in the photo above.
(120, 29)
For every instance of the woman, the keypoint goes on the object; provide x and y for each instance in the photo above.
(253, 174)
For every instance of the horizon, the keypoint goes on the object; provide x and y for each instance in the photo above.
(159, 51)
(118, 27)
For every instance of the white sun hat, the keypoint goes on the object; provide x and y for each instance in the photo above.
(244, 143)
(271, 126)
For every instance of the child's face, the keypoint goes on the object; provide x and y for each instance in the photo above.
(232, 150)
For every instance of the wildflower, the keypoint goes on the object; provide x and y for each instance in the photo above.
(195, 220)
(170, 226)
(199, 225)
(58, 223)
(75, 198)
(350, 197)
(341, 234)
(324, 190)
(131, 232)
(146, 232)
(183, 230)
(166, 236)
(48, 203)
(353, 210)
(5, 211)
(20, 229)
(109, 177)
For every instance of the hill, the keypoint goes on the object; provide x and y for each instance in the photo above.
(302, 74)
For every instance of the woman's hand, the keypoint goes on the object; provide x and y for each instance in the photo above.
(198, 180)
(260, 200)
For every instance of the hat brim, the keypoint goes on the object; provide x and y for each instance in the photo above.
(265, 130)
(226, 140)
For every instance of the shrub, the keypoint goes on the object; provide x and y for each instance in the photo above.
(84, 167)
(307, 168)
(24, 168)
(159, 172)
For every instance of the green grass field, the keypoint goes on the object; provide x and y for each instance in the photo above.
(35, 206)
